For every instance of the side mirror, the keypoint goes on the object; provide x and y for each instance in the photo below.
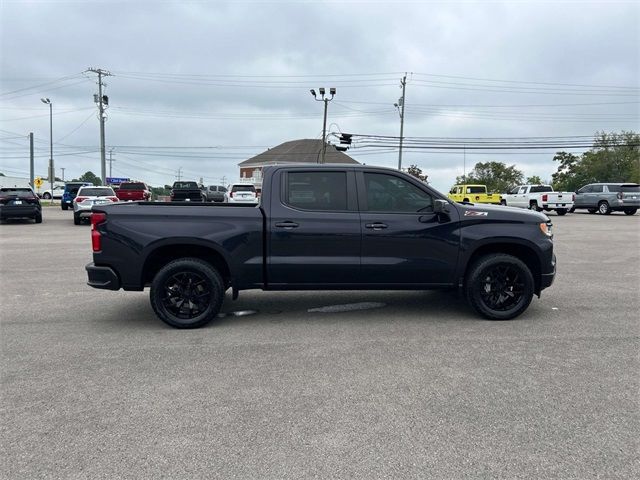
(440, 206)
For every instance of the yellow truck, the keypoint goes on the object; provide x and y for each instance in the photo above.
(473, 194)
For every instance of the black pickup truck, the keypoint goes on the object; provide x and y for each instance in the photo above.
(187, 192)
(322, 227)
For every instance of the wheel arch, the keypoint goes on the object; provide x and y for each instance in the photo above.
(165, 253)
(523, 252)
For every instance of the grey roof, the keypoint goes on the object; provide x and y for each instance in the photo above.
(298, 151)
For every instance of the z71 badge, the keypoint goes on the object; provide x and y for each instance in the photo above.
(475, 213)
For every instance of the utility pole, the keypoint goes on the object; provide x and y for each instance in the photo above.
(110, 160)
(101, 100)
(332, 92)
(62, 168)
(179, 173)
(400, 107)
(31, 165)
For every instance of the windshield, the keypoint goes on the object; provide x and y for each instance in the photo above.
(243, 188)
(132, 186)
(97, 192)
(185, 185)
(17, 191)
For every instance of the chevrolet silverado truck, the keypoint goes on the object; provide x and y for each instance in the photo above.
(473, 194)
(187, 192)
(323, 227)
(539, 197)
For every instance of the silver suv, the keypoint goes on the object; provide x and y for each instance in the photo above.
(608, 197)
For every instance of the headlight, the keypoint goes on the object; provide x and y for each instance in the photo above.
(547, 229)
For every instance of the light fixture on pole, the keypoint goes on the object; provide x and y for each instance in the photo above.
(51, 169)
(322, 91)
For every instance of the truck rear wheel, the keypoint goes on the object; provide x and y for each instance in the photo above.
(499, 286)
(187, 293)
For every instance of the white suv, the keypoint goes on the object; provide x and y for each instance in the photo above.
(242, 193)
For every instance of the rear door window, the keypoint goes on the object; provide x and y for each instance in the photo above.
(325, 191)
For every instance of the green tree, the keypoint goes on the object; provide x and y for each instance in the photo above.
(535, 180)
(497, 176)
(614, 157)
(90, 177)
(416, 172)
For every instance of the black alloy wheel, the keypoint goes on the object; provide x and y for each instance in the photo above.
(46, 196)
(499, 286)
(187, 293)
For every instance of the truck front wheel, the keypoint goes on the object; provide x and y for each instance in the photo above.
(499, 286)
(187, 293)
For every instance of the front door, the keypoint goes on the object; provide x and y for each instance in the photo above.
(403, 241)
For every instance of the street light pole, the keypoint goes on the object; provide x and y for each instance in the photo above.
(332, 92)
(51, 169)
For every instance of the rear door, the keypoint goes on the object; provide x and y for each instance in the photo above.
(403, 241)
(313, 229)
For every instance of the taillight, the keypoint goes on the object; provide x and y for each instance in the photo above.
(619, 195)
(545, 197)
(172, 194)
(231, 194)
(573, 197)
(79, 199)
(97, 218)
(113, 199)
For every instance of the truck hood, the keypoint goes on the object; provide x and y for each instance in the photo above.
(499, 212)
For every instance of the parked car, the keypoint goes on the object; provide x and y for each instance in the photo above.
(88, 197)
(19, 202)
(58, 192)
(133, 191)
(315, 230)
(187, 192)
(538, 197)
(608, 197)
(216, 193)
(473, 194)
(242, 193)
(70, 192)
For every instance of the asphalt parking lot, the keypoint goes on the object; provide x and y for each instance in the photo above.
(414, 386)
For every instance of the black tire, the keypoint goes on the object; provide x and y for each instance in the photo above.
(46, 196)
(503, 203)
(572, 209)
(76, 219)
(561, 211)
(630, 211)
(466, 200)
(592, 210)
(38, 218)
(64, 206)
(182, 280)
(512, 277)
(534, 206)
(604, 208)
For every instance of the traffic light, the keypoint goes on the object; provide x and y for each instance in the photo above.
(345, 138)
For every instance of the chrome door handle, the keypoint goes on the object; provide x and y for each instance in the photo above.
(288, 225)
(376, 226)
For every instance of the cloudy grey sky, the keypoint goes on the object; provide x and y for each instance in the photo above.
(202, 85)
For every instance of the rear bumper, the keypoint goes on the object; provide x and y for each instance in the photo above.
(102, 277)
(19, 211)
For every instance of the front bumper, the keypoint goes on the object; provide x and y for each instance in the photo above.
(546, 279)
(102, 277)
